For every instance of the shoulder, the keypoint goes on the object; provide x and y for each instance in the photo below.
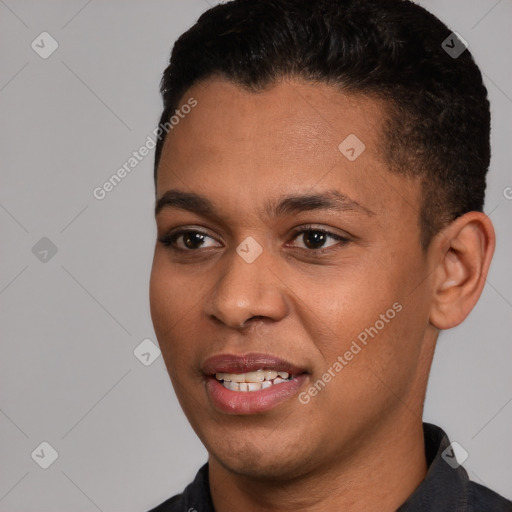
(196, 496)
(483, 498)
(174, 504)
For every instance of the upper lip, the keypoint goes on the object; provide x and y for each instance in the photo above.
(231, 363)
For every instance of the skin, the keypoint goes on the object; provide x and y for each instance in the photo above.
(358, 444)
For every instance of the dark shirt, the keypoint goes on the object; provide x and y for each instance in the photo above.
(444, 489)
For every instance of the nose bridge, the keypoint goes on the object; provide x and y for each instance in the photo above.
(248, 286)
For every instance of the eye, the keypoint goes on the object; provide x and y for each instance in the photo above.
(191, 238)
(314, 238)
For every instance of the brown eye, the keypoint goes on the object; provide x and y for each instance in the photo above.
(314, 238)
(192, 240)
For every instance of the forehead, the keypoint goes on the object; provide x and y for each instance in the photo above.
(292, 119)
(291, 137)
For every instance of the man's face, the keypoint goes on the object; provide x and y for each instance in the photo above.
(307, 298)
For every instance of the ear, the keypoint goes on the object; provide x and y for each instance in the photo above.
(462, 253)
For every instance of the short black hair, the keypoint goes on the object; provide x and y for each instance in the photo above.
(437, 123)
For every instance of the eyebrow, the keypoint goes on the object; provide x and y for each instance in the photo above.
(284, 205)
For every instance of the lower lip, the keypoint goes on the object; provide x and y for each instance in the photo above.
(252, 402)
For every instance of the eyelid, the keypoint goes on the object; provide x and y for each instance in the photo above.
(343, 239)
(322, 229)
(172, 236)
(169, 238)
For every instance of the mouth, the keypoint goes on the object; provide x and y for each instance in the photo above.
(252, 383)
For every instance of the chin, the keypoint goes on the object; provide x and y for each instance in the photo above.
(265, 461)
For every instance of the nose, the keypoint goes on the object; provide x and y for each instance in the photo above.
(246, 292)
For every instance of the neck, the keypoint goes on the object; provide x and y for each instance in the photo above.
(381, 475)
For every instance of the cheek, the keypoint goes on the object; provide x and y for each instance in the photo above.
(169, 303)
(160, 292)
(169, 292)
(368, 317)
(343, 303)
(176, 298)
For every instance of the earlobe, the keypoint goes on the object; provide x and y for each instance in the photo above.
(463, 253)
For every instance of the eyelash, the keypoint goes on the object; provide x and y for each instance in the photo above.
(170, 239)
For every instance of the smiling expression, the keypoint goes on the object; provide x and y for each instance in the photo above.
(337, 243)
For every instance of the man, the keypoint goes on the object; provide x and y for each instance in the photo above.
(320, 182)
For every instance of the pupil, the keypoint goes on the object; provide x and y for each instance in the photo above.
(190, 236)
(317, 236)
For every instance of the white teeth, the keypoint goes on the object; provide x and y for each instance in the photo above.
(233, 386)
(257, 376)
(254, 376)
(252, 381)
(235, 377)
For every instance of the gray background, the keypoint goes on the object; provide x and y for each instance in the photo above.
(69, 326)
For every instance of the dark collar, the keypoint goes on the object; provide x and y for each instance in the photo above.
(444, 487)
